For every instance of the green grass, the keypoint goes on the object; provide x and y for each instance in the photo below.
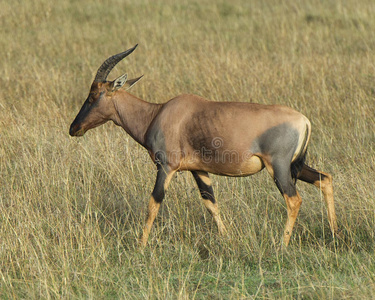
(71, 209)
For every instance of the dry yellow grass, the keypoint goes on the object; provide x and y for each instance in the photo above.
(72, 209)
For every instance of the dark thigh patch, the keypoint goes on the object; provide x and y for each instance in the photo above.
(281, 141)
(283, 178)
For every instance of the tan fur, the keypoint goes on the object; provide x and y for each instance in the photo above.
(214, 210)
(168, 179)
(153, 209)
(293, 204)
(325, 186)
(204, 177)
(191, 133)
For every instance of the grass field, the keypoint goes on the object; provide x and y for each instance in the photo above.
(72, 209)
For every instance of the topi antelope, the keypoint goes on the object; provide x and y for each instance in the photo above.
(189, 133)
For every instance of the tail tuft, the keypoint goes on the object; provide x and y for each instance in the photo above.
(297, 166)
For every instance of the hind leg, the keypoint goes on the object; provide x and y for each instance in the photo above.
(323, 181)
(207, 193)
(281, 174)
(293, 204)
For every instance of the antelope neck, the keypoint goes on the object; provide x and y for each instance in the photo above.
(134, 115)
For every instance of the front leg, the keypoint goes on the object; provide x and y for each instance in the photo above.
(163, 178)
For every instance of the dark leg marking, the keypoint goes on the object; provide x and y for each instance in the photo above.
(163, 178)
(159, 190)
(310, 175)
(207, 193)
(205, 189)
(323, 181)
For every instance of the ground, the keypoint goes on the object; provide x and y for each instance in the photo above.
(71, 210)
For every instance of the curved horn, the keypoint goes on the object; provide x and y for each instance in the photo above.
(109, 64)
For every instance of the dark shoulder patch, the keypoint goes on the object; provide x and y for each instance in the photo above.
(155, 142)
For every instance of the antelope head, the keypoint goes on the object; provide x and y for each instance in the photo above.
(98, 107)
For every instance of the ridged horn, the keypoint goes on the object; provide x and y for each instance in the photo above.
(110, 63)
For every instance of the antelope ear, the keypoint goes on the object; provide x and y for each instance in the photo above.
(132, 82)
(118, 82)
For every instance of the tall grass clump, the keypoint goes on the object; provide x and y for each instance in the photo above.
(71, 210)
